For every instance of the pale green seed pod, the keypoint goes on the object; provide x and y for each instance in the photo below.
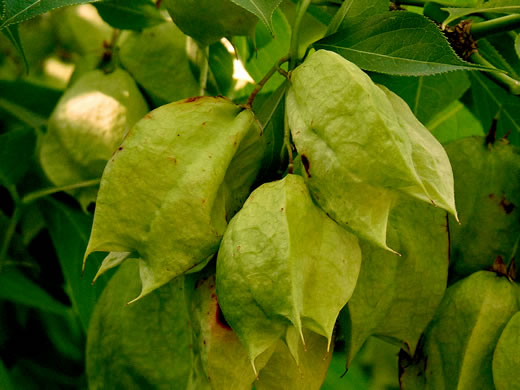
(86, 127)
(506, 358)
(283, 266)
(361, 146)
(177, 179)
(208, 21)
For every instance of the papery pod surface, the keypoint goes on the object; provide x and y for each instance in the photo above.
(144, 345)
(487, 188)
(156, 58)
(459, 342)
(175, 181)
(506, 358)
(87, 126)
(210, 20)
(80, 29)
(396, 296)
(361, 146)
(217, 348)
(282, 372)
(283, 264)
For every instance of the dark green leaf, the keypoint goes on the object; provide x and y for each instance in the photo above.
(69, 230)
(365, 9)
(130, 14)
(399, 43)
(18, 11)
(493, 102)
(426, 95)
(16, 152)
(262, 8)
(13, 34)
(221, 68)
(16, 287)
(37, 99)
(5, 381)
(494, 56)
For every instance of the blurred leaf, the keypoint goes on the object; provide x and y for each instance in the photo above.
(492, 101)
(490, 53)
(16, 287)
(5, 381)
(492, 6)
(69, 230)
(13, 35)
(426, 95)
(221, 68)
(16, 152)
(454, 122)
(355, 379)
(31, 222)
(39, 101)
(66, 334)
(262, 8)
(517, 44)
(18, 11)
(130, 14)
(399, 43)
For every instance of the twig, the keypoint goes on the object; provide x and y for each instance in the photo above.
(261, 83)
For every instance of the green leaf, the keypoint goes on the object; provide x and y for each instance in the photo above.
(362, 146)
(268, 51)
(517, 45)
(488, 200)
(16, 287)
(506, 358)
(147, 344)
(426, 95)
(220, 68)
(494, 56)
(29, 100)
(493, 102)
(396, 297)
(5, 381)
(283, 264)
(178, 177)
(262, 8)
(87, 126)
(491, 6)
(18, 11)
(454, 122)
(12, 33)
(156, 58)
(459, 342)
(69, 231)
(398, 43)
(130, 14)
(16, 154)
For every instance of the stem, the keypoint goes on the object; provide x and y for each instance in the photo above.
(11, 228)
(339, 17)
(261, 83)
(510, 83)
(287, 141)
(295, 37)
(494, 26)
(31, 197)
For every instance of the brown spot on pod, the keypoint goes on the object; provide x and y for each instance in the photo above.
(507, 205)
(307, 165)
(221, 320)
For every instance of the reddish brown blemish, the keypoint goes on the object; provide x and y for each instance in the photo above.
(307, 165)
(148, 116)
(192, 99)
(221, 320)
(238, 248)
(203, 201)
(204, 123)
(120, 148)
(491, 196)
(173, 159)
(507, 205)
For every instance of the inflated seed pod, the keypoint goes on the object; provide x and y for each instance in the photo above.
(86, 127)
(458, 345)
(506, 358)
(170, 189)
(361, 146)
(284, 266)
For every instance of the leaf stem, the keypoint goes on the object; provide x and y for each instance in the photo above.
(11, 228)
(494, 26)
(32, 196)
(265, 79)
(301, 9)
(339, 16)
(510, 83)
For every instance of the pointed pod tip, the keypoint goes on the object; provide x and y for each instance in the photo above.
(254, 368)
